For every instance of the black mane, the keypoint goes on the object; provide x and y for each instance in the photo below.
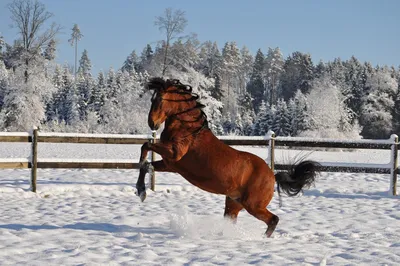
(158, 84)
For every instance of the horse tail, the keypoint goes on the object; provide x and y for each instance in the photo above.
(297, 177)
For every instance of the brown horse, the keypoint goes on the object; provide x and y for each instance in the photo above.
(188, 147)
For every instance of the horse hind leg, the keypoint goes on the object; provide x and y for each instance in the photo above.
(232, 209)
(256, 201)
(264, 215)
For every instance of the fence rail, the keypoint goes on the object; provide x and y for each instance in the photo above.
(270, 140)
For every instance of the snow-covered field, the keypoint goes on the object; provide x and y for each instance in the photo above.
(93, 217)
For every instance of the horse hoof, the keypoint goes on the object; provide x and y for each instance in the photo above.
(272, 225)
(142, 195)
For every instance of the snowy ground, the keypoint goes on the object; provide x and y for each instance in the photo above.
(92, 217)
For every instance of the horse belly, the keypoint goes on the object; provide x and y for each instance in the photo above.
(213, 174)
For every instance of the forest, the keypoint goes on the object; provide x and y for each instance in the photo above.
(244, 93)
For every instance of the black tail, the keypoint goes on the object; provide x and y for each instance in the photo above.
(298, 177)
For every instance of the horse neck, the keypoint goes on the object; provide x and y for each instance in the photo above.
(185, 125)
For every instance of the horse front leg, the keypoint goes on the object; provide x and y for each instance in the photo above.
(145, 166)
(166, 151)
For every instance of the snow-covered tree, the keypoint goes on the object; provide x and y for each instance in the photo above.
(246, 113)
(50, 50)
(396, 113)
(3, 83)
(85, 65)
(146, 59)
(327, 110)
(281, 124)
(231, 62)
(297, 75)
(76, 36)
(264, 120)
(210, 60)
(25, 99)
(131, 63)
(245, 69)
(98, 95)
(354, 80)
(297, 108)
(256, 86)
(377, 108)
(272, 72)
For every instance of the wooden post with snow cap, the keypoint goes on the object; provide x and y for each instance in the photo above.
(34, 159)
(394, 164)
(271, 149)
(153, 158)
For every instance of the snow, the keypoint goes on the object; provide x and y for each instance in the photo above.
(14, 134)
(83, 135)
(93, 217)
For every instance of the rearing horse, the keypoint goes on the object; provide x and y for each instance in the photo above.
(188, 147)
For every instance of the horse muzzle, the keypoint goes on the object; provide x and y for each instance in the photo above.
(153, 126)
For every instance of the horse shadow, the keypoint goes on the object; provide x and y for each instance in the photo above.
(100, 227)
(377, 195)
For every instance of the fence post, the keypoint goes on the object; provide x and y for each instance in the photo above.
(153, 158)
(394, 164)
(271, 149)
(34, 159)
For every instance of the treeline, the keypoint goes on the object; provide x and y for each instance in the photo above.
(245, 94)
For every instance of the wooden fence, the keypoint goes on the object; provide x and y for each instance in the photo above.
(270, 141)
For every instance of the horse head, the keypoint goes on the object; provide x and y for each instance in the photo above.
(170, 97)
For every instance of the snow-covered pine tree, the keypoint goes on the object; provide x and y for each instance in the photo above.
(85, 65)
(297, 74)
(50, 50)
(210, 60)
(146, 59)
(281, 123)
(256, 86)
(264, 119)
(396, 112)
(3, 83)
(245, 69)
(297, 108)
(131, 63)
(319, 69)
(231, 62)
(377, 109)
(246, 113)
(272, 71)
(354, 80)
(67, 106)
(97, 95)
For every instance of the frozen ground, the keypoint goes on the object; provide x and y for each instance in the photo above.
(93, 217)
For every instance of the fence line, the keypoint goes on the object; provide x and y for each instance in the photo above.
(270, 140)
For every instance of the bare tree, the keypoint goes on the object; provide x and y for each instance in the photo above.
(172, 23)
(29, 17)
(75, 37)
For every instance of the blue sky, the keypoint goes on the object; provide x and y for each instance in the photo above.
(369, 30)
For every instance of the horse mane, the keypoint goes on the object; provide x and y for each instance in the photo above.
(159, 84)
